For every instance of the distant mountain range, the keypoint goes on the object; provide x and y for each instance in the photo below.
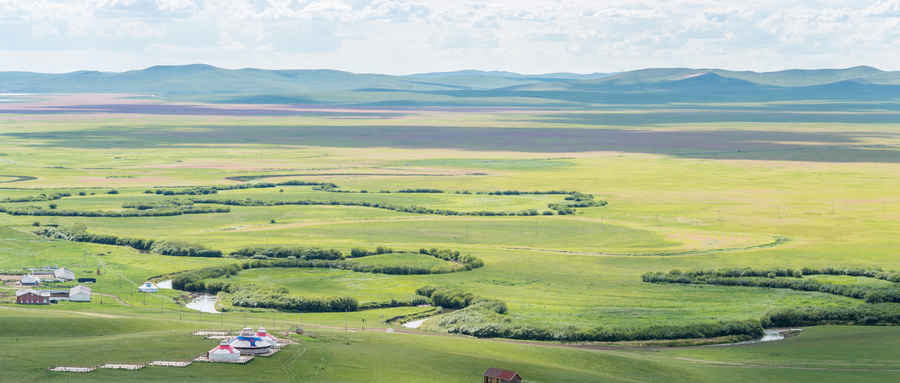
(640, 86)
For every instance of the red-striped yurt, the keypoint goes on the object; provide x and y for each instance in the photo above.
(248, 343)
(267, 337)
(224, 353)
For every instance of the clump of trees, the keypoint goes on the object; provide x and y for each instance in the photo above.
(458, 299)
(194, 280)
(468, 261)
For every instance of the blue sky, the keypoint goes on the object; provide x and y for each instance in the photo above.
(403, 37)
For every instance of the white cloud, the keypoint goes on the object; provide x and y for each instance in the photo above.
(422, 35)
(395, 10)
(884, 8)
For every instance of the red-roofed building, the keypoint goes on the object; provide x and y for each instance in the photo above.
(496, 375)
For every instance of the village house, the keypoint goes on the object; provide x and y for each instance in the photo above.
(496, 375)
(64, 274)
(30, 280)
(32, 297)
(80, 293)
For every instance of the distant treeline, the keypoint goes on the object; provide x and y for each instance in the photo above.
(271, 299)
(378, 205)
(352, 266)
(748, 277)
(866, 315)
(36, 198)
(165, 204)
(881, 302)
(255, 295)
(204, 190)
(152, 212)
(302, 253)
(561, 208)
(274, 297)
(308, 257)
(876, 273)
(420, 190)
(483, 318)
(78, 233)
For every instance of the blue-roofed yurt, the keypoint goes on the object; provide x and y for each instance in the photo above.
(248, 343)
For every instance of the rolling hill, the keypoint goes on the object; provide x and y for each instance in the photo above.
(469, 87)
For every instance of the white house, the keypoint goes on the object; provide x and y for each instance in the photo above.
(30, 280)
(64, 274)
(148, 288)
(80, 293)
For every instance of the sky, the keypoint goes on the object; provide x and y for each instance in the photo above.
(413, 36)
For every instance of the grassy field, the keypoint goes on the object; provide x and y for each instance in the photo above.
(685, 191)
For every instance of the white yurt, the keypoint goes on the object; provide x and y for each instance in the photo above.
(248, 343)
(148, 288)
(267, 337)
(224, 353)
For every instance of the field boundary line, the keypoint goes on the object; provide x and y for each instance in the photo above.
(779, 240)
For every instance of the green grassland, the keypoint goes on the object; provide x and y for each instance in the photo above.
(685, 190)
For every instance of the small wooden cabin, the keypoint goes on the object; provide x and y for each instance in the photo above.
(496, 375)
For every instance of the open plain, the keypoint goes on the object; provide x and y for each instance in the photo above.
(704, 185)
